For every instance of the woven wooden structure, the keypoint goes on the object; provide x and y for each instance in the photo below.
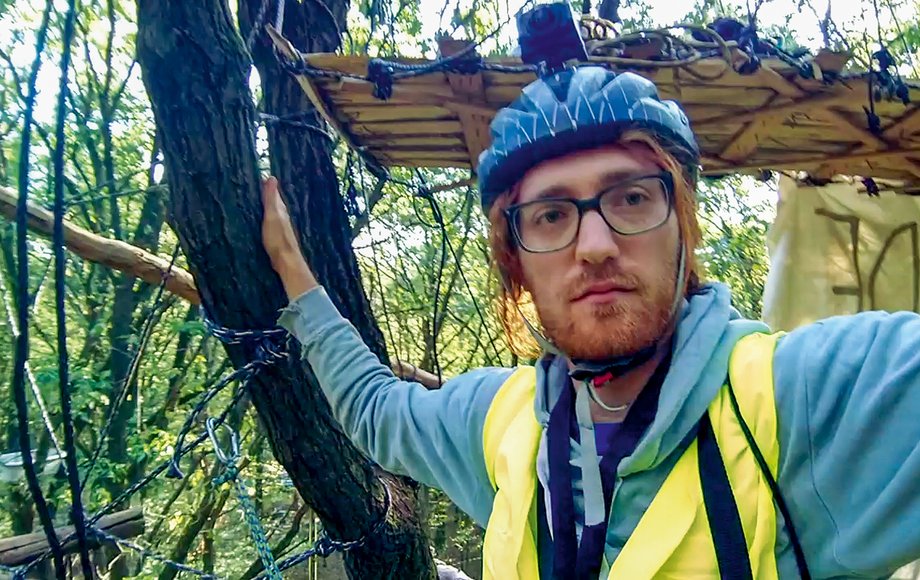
(770, 119)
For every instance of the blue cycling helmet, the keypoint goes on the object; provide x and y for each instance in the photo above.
(578, 108)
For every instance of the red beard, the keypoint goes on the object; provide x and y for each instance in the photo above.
(600, 331)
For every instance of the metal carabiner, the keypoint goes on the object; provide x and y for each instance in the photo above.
(219, 451)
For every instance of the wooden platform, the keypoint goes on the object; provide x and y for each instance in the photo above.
(771, 119)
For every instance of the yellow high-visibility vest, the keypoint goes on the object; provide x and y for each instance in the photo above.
(673, 537)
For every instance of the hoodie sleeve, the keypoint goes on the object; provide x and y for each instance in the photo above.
(848, 407)
(432, 436)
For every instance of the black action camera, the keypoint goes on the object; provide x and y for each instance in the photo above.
(549, 37)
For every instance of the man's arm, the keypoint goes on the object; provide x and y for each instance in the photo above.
(433, 436)
(848, 406)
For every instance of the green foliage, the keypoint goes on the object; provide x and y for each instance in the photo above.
(734, 225)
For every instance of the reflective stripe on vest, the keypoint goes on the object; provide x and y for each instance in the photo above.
(672, 539)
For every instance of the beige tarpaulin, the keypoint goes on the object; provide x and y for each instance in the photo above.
(836, 250)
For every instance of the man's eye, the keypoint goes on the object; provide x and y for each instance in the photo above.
(551, 215)
(635, 197)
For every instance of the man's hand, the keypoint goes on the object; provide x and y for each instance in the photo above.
(281, 244)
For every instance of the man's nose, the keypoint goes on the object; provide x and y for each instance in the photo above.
(596, 242)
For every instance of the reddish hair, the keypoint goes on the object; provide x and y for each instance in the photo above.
(512, 298)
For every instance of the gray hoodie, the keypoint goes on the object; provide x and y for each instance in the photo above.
(848, 409)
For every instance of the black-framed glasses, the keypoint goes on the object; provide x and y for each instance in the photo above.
(630, 207)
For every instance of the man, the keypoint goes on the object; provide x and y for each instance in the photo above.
(659, 435)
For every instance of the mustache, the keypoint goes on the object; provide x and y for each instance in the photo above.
(602, 274)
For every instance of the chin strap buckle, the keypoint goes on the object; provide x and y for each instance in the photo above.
(601, 379)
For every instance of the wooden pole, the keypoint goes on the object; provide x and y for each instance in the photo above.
(116, 254)
(124, 257)
(20, 550)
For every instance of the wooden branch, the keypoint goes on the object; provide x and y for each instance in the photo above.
(126, 258)
(115, 254)
(468, 182)
(411, 372)
(20, 550)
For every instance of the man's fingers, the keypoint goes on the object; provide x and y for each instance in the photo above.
(270, 195)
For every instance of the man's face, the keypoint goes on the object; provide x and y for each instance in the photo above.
(605, 294)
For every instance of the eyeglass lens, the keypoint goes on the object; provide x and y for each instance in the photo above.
(630, 208)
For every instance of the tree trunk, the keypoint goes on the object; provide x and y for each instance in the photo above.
(124, 308)
(196, 70)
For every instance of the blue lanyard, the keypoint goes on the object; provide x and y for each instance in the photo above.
(571, 559)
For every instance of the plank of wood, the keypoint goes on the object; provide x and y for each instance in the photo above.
(747, 139)
(889, 111)
(287, 50)
(112, 253)
(892, 136)
(412, 161)
(869, 165)
(20, 550)
(422, 155)
(906, 126)
(469, 102)
(473, 109)
(347, 98)
(401, 91)
(846, 126)
(777, 82)
(390, 112)
(762, 120)
(357, 65)
(777, 109)
(832, 61)
(382, 142)
(803, 136)
(492, 78)
(501, 95)
(670, 92)
(749, 98)
(796, 161)
(712, 163)
(407, 128)
(458, 153)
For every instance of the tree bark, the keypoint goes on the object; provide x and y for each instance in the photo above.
(195, 68)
